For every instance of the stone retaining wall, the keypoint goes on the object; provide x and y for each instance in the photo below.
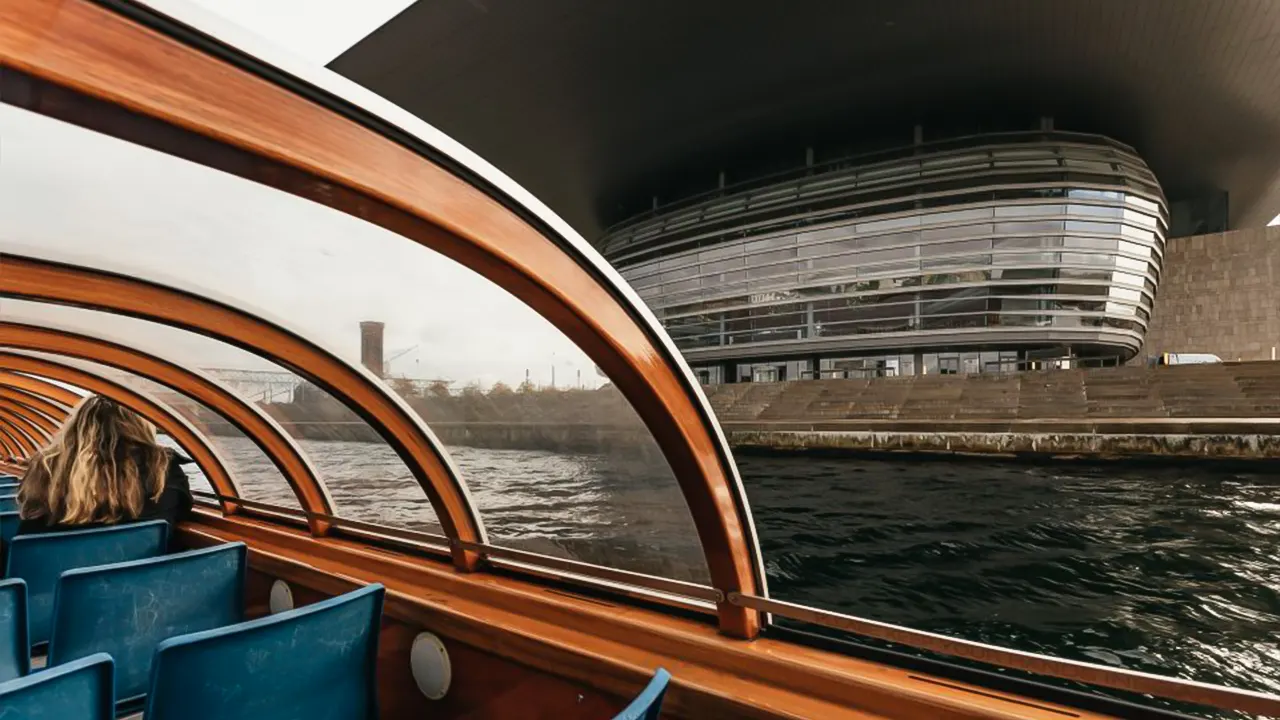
(1219, 294)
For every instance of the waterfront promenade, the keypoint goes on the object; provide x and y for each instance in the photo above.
(1231, 410)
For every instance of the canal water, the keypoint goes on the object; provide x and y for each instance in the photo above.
(1162, 569)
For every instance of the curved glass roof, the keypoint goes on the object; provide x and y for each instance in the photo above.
(494, 405)
(556, 461)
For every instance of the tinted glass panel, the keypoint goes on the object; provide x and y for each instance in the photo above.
(555, 458)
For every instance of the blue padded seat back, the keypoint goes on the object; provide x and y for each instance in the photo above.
(314, 663)
(9, 522)
(80, 690)
(126, 609)
(648, 704)
(8, 502)
(41, 559)
(15, 649)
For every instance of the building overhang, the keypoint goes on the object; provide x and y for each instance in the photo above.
(598, 108)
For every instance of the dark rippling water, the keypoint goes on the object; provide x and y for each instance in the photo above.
(1167, 570)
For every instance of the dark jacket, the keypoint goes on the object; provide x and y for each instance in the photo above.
(173, 505)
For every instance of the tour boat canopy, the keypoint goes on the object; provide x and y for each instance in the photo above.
(271, 263)
(355, 276)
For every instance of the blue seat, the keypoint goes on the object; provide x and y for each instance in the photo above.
(8, 502)
(314, 663)
(648, 703)
(76, 691)
(126, 609)
(9, 522)
(15, 650)
(41, 559)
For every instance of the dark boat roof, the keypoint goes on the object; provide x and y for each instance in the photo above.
(595, 108)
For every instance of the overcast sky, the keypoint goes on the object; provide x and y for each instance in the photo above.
(318, 30)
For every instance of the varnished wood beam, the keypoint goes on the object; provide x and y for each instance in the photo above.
(43, 406)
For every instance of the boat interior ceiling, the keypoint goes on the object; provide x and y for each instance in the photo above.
(196, 228)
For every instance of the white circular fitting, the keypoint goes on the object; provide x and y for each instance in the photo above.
(281, 597)
(429, 663)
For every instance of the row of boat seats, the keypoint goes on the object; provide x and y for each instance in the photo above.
(8, 493)
(8, 512)
(167, 632)
(41, 560)
(315, 662)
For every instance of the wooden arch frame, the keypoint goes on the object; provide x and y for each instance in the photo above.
(38, 421)
(267, 434)
(44, 406)
(406, 432)
(21, 431)
(58, 400)
(25, 428)
(164, 418)
(214, 113)
(8, 442)
(55, 394)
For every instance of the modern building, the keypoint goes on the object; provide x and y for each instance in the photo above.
(969, 255)
(845, 189)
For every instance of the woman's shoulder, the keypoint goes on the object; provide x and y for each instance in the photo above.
(175, 476)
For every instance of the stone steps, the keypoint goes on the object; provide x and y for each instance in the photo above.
(1221, 390)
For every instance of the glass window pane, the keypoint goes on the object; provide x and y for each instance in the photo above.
(555, 458)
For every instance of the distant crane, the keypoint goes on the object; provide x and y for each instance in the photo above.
(386, 364)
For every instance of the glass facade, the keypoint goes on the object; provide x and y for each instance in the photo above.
(1004, 243)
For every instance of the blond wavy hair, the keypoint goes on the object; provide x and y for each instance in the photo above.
(101, 467)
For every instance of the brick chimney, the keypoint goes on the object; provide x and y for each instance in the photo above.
(371, 346)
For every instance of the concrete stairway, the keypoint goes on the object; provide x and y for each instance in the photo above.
(1224, 390)
(1260, 385)
(931, 396)
(723, 397)
(1202, 391)
(989, 397)
(835, 398)
(1052, 394)
(794, 402)
(882, 398)
(1121, 392)
(754, 400)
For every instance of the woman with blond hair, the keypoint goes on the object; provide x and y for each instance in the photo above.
(103, 467)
